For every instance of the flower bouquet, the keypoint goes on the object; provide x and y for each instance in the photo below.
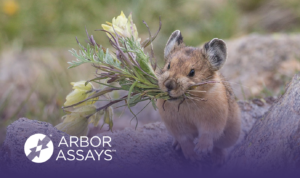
(127, 68)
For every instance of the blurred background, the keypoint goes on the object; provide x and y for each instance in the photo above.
(35, 37)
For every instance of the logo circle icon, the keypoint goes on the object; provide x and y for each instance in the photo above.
(38, 148)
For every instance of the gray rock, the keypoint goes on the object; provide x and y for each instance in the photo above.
(259, 62)
(273, 143)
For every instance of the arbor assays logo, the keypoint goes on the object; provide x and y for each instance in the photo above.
(38, 148)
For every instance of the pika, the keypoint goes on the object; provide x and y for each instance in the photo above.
(207, 120)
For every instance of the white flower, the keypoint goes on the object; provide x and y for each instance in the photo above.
(123, 26)
(80, 92)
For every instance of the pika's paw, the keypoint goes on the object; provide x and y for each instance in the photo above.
(203, 146)
(187, 148)
(176, 146)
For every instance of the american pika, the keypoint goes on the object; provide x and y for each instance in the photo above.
(208, 120)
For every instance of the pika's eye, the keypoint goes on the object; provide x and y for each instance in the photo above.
(192, 73)
(169, 66)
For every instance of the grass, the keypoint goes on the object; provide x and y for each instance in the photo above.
(56, 23)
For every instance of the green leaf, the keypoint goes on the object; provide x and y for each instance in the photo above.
(100, 54)
(128, 99)
(153, 104)
(143, 86)
(108, 117)
(125, 84)
(134, 100)
(94, 119)
(145, 66)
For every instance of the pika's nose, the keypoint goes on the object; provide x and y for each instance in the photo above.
(170, 85)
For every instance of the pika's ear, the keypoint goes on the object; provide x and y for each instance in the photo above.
(216, 53)
(174, 41)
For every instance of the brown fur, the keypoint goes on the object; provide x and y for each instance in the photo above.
(198, 127)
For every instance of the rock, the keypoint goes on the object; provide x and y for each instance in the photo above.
(273, 143)
(257, 64)
(148, 148)
(251, 112)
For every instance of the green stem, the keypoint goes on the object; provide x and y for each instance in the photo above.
(128, 98)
